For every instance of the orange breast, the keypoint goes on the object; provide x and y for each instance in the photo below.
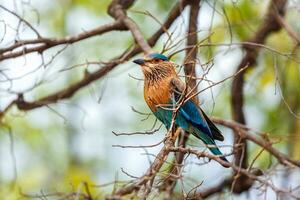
(158, 93)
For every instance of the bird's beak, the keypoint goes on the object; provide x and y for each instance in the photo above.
(139, 61)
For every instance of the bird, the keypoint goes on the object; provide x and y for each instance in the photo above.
(163, 89)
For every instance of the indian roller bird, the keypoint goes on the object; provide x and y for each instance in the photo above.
(163, 89)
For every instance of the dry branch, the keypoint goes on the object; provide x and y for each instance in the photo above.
(288, 28)
(116, 10)
(23, 47)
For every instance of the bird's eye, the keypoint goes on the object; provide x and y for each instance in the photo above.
(156, 60)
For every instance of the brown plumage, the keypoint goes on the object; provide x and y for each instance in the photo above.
(157, 83)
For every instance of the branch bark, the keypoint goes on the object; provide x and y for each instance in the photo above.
(293, 34)
(117, 9)
(42, 44)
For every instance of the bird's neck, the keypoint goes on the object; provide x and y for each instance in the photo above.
(158, 74)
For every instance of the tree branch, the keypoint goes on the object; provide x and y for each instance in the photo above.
(117, 11)
(42, 44)
(293, 34)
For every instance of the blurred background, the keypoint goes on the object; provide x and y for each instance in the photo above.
(56, 148)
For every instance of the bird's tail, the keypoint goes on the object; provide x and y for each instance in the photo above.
(211, 145)
(216, 151)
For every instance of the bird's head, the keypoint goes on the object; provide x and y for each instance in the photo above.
(154, 62)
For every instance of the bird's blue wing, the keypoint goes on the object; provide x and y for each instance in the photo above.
(191, 113)
(189, 110)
